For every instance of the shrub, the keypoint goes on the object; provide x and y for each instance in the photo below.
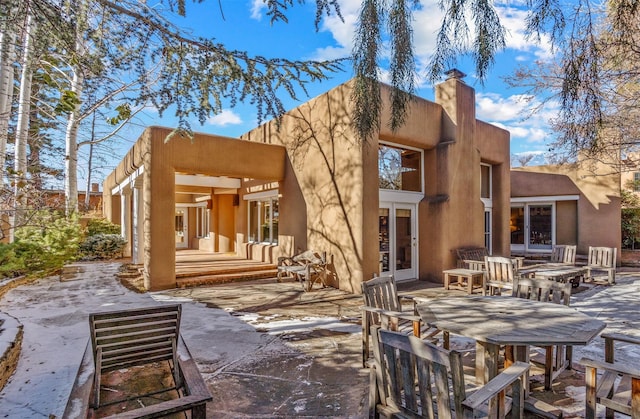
(630, 221)
(101, 226)
(49, 241)
(102, 246)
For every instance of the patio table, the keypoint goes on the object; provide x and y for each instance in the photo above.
(517, 322)
(559, 272)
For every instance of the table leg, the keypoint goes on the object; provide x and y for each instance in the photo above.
(486, 361)
(446, 281)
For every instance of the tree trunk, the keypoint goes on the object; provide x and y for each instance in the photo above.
(7, 58)
(71, 137)
(87, 195)
(22, 126)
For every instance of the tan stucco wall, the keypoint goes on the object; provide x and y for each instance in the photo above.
(225, 228)
(324, 175)
(494, 146)
(566, 222)
(598, 207)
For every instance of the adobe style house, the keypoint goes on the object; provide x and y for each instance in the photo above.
(568, 204)
(398, 203)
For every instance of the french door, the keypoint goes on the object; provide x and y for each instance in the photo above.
(532, 227)
(398, 242)
(182, 228)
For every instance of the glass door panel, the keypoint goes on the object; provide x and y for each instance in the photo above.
(516, 226)
(181, 228)
(383, 239)
(540, 226)
(405, 242)
(397, 240)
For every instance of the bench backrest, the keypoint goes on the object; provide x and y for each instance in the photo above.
(542, 290)
(125, 338)
(604, 257)
(471, 253)
(564, 254)
(381, 292)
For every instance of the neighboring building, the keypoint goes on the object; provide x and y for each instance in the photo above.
(400, 203)
(55, 199)
(553, 205)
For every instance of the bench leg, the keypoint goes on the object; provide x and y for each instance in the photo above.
(199, 411)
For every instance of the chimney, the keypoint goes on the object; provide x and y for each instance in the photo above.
(95, 187)
(454, 73)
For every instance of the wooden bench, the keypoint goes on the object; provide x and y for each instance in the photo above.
(470, 253)
(139, 337)
(306, 267)
(464, 279)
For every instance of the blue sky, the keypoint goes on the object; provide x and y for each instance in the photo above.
(245, 26)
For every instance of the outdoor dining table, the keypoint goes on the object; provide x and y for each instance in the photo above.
(493, 321)
(559, 272)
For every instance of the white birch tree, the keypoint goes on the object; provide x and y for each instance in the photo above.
(22, 126)
(7, 59)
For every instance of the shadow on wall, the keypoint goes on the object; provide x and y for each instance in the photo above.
(327, 161)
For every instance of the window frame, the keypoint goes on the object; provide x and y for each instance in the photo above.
(260, 198)
(203, 221)
(388, 144)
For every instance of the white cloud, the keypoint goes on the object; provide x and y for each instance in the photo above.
(493, 107)
(224, 118)
(529, 131)
(342, 31)
(257, 6)
(514, 21)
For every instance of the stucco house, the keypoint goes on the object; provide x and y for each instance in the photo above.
(567, 204)
(398, 203)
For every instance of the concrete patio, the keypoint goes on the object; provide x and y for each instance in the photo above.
(265, 349)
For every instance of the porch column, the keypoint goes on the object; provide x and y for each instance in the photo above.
(159, 188)
(138, 224)
(125, 220)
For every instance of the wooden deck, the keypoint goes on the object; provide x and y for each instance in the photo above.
(196, 267)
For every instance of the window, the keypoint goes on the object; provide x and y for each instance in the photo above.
(263, 220)
(485, 181)
(636, 181)
(399, 169)
(487, 230)
(487, 201)
(203, 215)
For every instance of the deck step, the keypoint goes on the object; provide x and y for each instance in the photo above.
(220, 269)
(223, 278)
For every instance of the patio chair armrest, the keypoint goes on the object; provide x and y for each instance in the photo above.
(499, 383)
(616, 367)
(621, 337)
(388, 313)
(396, 314)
